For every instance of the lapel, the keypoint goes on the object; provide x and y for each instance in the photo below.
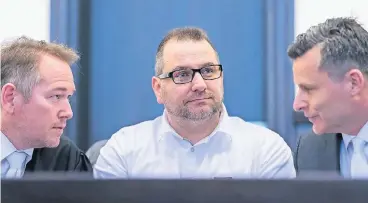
(31, 165)
(329, 152)
(318, 153)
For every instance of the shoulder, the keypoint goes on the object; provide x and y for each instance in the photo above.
(143, 129)
(311, 137)
(133, 136)
(311, 144)
(68, 145)
(65, 157)
(250, 131)
(256, 138)
(312, 140)
(66, 149)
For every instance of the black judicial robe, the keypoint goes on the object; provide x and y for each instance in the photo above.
(64, 158)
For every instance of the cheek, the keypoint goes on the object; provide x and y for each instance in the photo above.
(33, 117)
(319, 104)
(217, 89)
(42, 110)
(175, 94)
(327, 103)
(315, 102)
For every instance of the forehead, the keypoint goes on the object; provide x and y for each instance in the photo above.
(306, 68)
(188, 53)
(55, 71)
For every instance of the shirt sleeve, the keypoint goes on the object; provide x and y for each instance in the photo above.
(276, 160)
(111, 164)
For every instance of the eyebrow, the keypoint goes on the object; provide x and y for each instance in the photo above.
(185, 67)
(308, 86)
(62, 89)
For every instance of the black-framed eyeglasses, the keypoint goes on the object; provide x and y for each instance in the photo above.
(184, 75)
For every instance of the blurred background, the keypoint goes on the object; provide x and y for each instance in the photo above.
(117, 41)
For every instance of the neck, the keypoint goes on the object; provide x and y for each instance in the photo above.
(358, 128)
(13, 135)
(194, 131)
(358, 120)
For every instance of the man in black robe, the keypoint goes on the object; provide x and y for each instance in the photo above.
(65, 157)
(36, 83)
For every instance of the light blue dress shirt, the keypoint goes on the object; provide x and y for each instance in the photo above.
(236, 149)
(7, 148)
(346, 151)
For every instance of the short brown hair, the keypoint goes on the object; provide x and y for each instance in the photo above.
(20, 59)
(180, 34)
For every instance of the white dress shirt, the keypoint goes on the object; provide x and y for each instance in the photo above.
(13, 161)
(236, 149)
(352, 158)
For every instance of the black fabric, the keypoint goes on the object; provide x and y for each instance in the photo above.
(66, 157)
(319, 190)
(318, 153)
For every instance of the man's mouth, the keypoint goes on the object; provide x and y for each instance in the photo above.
(59, 127)
(198, 99)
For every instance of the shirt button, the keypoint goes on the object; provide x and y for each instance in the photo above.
(192, 149)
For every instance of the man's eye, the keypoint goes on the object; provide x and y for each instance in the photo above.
(306, 89)
(181, 74)
(207, 70)
(57, 96)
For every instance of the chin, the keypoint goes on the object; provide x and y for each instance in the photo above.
(201, 111)
(318, 129)
(201, 107)
(52, 143)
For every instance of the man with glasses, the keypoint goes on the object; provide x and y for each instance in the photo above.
(195, 137)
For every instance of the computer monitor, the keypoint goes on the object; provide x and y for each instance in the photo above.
(51, 189)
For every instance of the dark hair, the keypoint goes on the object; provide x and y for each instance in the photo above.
(343, 43)
(180, 34)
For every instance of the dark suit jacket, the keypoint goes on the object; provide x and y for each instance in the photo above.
(318, 153)
(66, 157)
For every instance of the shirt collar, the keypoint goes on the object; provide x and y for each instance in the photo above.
(363, 134)
(222, 127)
(8, 148)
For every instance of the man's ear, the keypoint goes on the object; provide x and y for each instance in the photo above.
(8, 95)
(356, 81)
(157, 89)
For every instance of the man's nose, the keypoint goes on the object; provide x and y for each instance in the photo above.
(198, 83)
(67, 111)
(299, 104)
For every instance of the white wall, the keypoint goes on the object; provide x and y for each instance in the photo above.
(311, 12)
(25, 17)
